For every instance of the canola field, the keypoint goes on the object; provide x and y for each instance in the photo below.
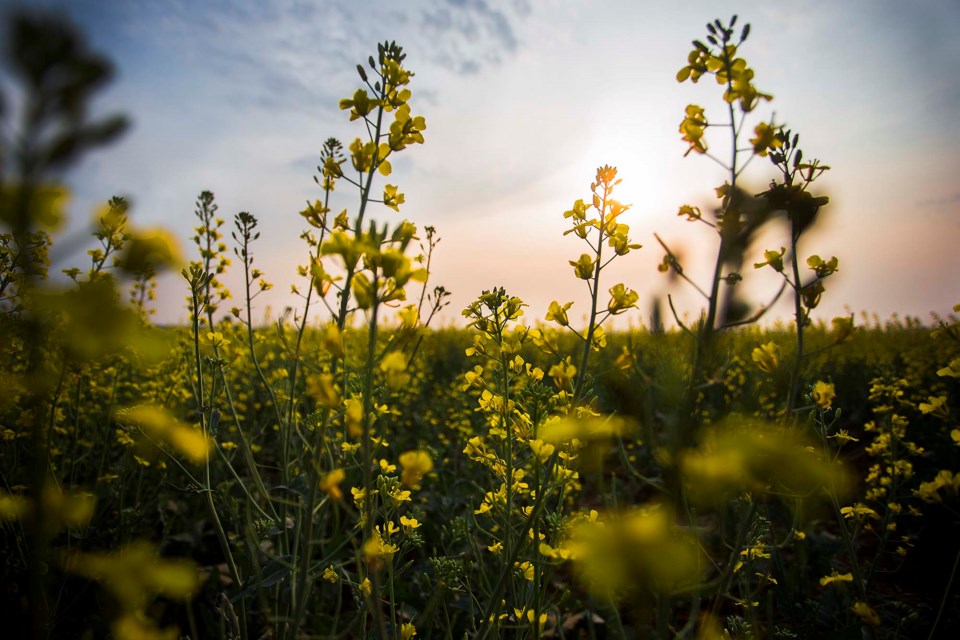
(351, 472)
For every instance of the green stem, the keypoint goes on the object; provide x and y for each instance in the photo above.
(208, 491)
(579, 386)
(946, 595)
(798, 313)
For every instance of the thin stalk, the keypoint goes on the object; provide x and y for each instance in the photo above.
(798, 314)
(393, 600)
(367, 414)
(578, 389)
(250, 336)
(208, 493)
(687, 420)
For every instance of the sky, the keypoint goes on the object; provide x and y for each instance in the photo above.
(523, 100)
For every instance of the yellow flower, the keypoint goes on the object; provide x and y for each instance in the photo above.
(415, 464)
(330, 574)
(411, 523)
(332, 340)
(394, 366)
(844, 437)
(823, 394)
(866, 614)
(386, 466)
(692, 128)
(531, 616)
(836, 577)
(584, 429)
(563, 373)
(772, 258)
(859, 511)
(765, 139)
(392, 198)
(46, 208)
(360, 105)
(692, 213)
(945, 479)
(323, 389)
(584, 267)
(400, 496)
(578, 212)
(640, 547)
(767, 357)
(135, 573)
(557, 313)
(12, 507)
(937, 405)
(842, 328)
(353, 416)
(952, 370)
(621, 299)
(216, 339)
(330, 483)
(526, 569)
(555, 553)
(822, 267)
(407, 631)
(365, 587)
(157, 422)
(150, 250)
(375, 550)
(541, 450)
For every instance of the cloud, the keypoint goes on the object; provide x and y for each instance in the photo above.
(468, 35)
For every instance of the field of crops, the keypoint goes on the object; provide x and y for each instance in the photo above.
(351, 472)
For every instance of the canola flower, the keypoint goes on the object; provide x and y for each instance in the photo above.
(641, 548)
(312, 417)
(157, 423)
(415, 464)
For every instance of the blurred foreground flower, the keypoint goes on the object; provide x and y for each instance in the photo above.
(744, 455)
(416, 464)
(61, 509)
(134, 575)
(585, 429)
(640, 549)
(590, 436)
(151, 250)
(157, 423)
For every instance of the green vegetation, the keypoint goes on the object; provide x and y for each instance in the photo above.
(351, 472)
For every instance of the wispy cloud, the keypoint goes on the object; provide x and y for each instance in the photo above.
(471, 34)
